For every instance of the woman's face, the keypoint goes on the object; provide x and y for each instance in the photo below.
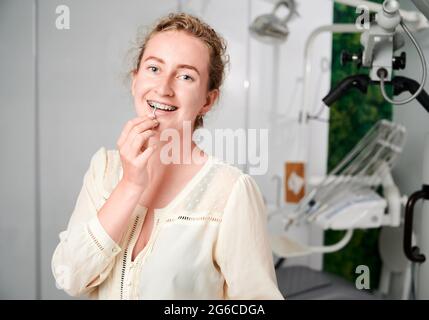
(173, 74)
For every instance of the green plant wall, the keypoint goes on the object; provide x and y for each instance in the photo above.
(350, 118)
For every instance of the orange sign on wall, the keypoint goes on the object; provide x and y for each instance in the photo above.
(294, 182)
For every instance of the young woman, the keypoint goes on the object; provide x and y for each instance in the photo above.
(146, 227)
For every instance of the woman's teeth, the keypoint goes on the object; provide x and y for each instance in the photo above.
(160, 106)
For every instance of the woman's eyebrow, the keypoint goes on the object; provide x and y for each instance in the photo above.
(154, 58)
(187, 66)
(180, 66)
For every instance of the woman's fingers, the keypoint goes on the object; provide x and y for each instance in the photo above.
(126, 130)
(138, 131)
(129, 126)
(138, 142)
(141, 127)
(133, 156)
(145, 155)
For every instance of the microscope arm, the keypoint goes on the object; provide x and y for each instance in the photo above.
(361, 82)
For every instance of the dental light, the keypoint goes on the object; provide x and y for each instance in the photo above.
(271, 29)
(380, 42)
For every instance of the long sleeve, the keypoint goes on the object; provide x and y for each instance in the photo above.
(243, 251)
(86, 253)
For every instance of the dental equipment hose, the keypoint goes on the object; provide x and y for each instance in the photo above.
(382, 73)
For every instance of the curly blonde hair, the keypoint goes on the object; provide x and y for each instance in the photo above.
(201, 30)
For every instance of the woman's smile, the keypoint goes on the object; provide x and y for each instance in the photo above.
(161, 110)
(161, 106)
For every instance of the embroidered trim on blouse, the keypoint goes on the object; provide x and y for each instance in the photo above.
(124, 260)
(210, 218)
(95, 240)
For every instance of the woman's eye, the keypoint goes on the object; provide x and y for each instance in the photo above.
(187, 77)
(153, 68)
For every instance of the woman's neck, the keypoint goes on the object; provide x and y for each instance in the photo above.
(166, 158)
(167, 179)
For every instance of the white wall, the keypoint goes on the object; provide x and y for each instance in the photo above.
(18, 248)
(82, 103)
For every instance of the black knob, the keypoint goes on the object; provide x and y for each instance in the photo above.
(351, 57)
(399, 62)
(345, 57)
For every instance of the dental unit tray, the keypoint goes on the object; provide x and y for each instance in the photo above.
(346, 199)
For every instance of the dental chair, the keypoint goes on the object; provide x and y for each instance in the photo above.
(346, 200)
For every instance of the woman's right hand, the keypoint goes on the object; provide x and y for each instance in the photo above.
(134, 156)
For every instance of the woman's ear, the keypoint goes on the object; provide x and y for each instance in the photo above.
(211, 98)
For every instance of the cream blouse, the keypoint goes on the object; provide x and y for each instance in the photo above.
(209, 242)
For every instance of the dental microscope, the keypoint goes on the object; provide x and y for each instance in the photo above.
(380, 41)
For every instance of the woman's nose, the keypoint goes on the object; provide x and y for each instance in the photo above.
(164, 87)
